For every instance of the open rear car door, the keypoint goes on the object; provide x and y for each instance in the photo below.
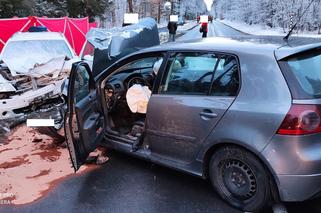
(84, 120)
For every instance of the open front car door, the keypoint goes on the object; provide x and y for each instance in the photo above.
(84, 120)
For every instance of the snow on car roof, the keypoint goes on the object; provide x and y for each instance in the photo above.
(36, 36)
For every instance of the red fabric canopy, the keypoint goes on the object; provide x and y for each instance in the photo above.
(74, 29)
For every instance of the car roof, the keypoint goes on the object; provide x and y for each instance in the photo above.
(247, 43)
(23, 36)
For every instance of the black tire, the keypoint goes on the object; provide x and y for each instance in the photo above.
(240, 178)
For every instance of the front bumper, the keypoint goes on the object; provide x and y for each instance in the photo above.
(13, 107)
(295, 162)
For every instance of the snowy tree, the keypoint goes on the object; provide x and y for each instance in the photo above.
(91, 8)
(51, 8)
(10, 8)
(271, 13)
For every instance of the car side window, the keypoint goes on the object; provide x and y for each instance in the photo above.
(226, 77)
(189, 74)
(81, 87)
(141, 63)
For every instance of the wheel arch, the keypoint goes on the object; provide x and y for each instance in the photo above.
(211, 150)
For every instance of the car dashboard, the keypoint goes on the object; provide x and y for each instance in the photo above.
(117, 85)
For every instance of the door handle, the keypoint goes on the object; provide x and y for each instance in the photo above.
(207, 114)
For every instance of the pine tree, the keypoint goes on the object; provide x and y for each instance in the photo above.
(51, 8)
(10, 8)
(91, 8)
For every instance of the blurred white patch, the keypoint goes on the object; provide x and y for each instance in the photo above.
(204, 19)
(173, 18)
(130, 18)
(40, 122)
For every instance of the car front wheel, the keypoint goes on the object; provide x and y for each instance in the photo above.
(240, 178)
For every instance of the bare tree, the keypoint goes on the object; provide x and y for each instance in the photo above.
(130, 6)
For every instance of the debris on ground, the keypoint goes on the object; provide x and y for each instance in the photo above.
(30, 169)
(98, 157)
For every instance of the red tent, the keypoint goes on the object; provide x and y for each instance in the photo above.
(75, 29)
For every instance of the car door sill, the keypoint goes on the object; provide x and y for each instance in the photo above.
(194, 168)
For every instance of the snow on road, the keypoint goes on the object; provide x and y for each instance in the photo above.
(182, 29)
(265, 30)
(214, 29)
(192, 34)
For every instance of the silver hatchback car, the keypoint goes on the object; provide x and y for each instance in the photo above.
(244, 112)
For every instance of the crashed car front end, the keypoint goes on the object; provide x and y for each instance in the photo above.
(34, 94)
(30, 101)
(33, 69)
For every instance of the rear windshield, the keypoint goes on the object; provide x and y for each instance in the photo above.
(303, 72)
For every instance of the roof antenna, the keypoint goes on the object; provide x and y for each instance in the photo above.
(294, 26)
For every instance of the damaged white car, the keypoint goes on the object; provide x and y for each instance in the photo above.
(33, 68)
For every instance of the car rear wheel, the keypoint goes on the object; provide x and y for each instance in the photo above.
(240, 178)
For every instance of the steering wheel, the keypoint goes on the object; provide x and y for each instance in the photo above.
(137, 80)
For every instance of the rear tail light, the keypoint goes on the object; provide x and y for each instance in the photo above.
(301, 120)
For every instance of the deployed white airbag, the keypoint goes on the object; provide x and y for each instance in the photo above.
(137, 98)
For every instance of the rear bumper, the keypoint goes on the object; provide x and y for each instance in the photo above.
(294, 188)
(295, 162)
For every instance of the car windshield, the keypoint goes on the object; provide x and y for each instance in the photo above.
(41, 48)
(306, 69)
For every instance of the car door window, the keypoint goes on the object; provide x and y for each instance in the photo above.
(141, 63)
(80, 90)
(189, 74)
(81, 87)
(226, 77)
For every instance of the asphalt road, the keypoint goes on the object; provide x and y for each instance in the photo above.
(126, 184)
(214, 29)
(129, 185)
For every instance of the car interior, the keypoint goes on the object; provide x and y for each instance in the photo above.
(125, 125)
(186, 74)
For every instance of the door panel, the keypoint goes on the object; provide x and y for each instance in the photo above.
(177, 125)
(196, 90)
(84, 121)
(91, 121)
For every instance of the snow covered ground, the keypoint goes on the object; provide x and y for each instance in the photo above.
(188, 25)
(264, 30)
(162, 25)
(182, 29)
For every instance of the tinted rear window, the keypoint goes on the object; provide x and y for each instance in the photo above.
(303, 73)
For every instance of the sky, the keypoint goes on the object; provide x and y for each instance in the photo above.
(208, 4)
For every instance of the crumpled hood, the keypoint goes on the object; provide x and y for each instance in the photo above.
(144, 34)
(112, 44)
(35, 66)
(5, 85)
